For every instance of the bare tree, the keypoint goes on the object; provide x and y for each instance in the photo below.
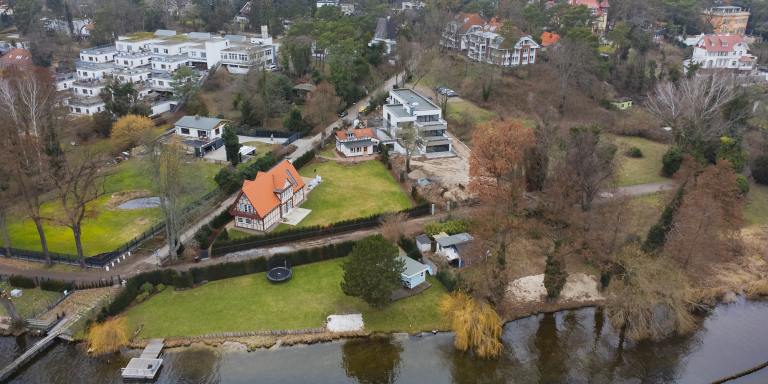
(80, 183)
(693, 108)
(9, 306)
(8, 199)
(593, 162)
(572, 60)
(423, 65)
(323, 105)
(410, 137)
(175, 183)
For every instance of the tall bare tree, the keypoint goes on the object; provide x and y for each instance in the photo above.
(593, 162)
(410, 137)
(9, 306)
(572, 60)
(80, 182)
(175, 183)
(8, 200)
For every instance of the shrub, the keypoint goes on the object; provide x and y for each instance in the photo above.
(19, 281)
(452, 284)
(733, 151)
(451, 227)
(147, 287)
(415, 254)
(605, 279)
(760, 169)
(142, 297)
(54, 285)
(389, 166)
(160, 288)
(304, 159)
(224, 235)
(402, 177)
(741, 182)
(672, 161)
(554, 276)
(185, 281)
(220, 116)
(635, 152)
(657, 235)
(407, 244)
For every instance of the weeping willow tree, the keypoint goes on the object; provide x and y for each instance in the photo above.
(108, 337)
(652, 298)
(476, 324)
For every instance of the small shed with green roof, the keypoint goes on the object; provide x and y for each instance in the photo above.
(415, 273)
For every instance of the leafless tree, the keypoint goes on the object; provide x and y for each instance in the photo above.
(573, 60)
(693, 108)
(593, 163)
(423, 65)
(80, 182)
(410, 137)
(8, 199)
(406, 56)
(9, 306)
(175, 183)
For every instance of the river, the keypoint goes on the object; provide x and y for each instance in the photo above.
(576, 346)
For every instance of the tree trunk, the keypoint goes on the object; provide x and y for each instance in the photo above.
(5, 235)
(9, 307)
(77, 231)
(39, 225)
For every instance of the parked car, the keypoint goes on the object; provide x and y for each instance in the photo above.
(451, 93)
(343, 113)
(440, 89)
(272, 68)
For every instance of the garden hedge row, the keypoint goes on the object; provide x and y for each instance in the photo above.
(124, 299)
(258, 265)
(410, 248)
(204, 233)
(450, 283)
(54, 285)
(304, 159)
(296, 234)
(18, 281)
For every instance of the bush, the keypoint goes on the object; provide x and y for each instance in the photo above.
(147, 287)
(760, 169)
(160, 288)
(384, 153)
(389, 166)
(635, 152)
(224, 235)
(452, 284)
(220, 116)
(407, 244)
(402, 177)
(657, 235)
(142, 297)
(54, 285)
(203, 234)
(672, 161)
(19, 281)
(554, 276)
(180, 251)
(450, 227)
(415, 254)
(183, 281)
(304, 159)
(741, 182)
(605, 279)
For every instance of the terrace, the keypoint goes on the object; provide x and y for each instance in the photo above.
(99, 50)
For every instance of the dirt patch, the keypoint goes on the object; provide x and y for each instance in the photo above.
(123, 197)
(79, 300)
(579, 287)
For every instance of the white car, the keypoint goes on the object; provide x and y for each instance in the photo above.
(271, 68)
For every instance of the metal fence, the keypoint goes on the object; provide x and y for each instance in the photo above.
(290, 136)
(103, 259)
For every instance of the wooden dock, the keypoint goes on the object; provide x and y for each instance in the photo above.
(402, 293)
(28, 355)
(147, 365)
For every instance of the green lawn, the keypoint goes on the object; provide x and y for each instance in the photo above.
(31, 302)
(350, 192)
(456, 110)
(251, 303)
(261, 149)
(235, 234)
(112, 228)
(328, 152)
(639, 170)
(756, 209)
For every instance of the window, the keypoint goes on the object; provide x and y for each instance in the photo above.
(90, 58)
(155, 50)
(202, 54)
(247, 221)
(422, 274)
(165, 51)
(85, 73)
(162, 66)
(217, 130)
(239, 219)
(185, 131)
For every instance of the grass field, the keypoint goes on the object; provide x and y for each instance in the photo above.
(348, 192)
(112, 228)
(251, 303)
(261, 149)
(235, 234)
(641, 170)
(756, 209)
(456, 110)
(31, 302)
(328, 152)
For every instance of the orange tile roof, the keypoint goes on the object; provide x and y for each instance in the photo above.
(17, 57)
(468, 20)
(591, 4)
(720, 42)
(359, 133)
(549, 38)
(260, 191)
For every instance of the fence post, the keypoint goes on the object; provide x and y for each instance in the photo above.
(433, 210)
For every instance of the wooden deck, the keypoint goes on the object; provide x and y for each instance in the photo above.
(147, 365)
(28, 355)
(402, 293)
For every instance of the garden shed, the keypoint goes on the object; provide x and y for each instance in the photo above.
(424, 243)
(415, 273)
(448, 245)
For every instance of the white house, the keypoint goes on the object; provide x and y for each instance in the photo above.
(200, 127)
(454, 34)
(356, 142)
(729, 52)
(403, 106)
(271, 196)
(484, 41)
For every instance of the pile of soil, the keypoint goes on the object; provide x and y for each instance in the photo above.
(416, 175)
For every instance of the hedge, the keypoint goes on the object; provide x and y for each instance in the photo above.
(259, 264)
(204, 233)
(304, 159)
(451, 283)
(126, 297)
(230, 181)
(296, 234)
(183, 281)
(54, 285)
(19, 281)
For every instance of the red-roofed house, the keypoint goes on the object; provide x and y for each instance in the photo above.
(21, 58)
(454, 35)
(599, 10)
(268, 198)
(357, 142)
(549, 39)
(484, 44)
(724, 52)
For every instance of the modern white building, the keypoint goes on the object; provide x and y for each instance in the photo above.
(728, 52)
(484, 45)
(404, 105)
(200, 127)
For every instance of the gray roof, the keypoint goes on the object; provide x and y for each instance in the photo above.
(236, 38)
(424, 239)
(412, 267)
(204, 123)
(385, 30)
(462, 247)
(398, 109)
(165, 32)
(358, 143)
(199, 35)
(455, 239)
(410, 97)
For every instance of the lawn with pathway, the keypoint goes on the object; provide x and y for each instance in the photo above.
(350, 191)
(252, 303)
(113, 227)
(641, 170)
(32, 301)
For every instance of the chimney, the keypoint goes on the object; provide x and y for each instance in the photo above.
(264, 32)
(197, 117)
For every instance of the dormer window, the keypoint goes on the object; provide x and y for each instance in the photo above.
(725, 44)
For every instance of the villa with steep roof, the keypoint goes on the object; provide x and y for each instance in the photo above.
(356, 142)
(599, 10)
(270, 197)
(728, 52)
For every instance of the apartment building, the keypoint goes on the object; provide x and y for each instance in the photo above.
(403, 106)
(727, 19)
(484, 45)
(726, 52)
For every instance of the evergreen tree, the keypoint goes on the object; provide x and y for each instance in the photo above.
(231, 144)
(372, 271)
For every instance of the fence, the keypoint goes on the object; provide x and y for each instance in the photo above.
(103, 259)
(309, 235)
(290, 136)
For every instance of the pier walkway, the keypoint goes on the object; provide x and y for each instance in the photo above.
(147, 365)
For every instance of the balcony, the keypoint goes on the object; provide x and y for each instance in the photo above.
(171, 58)
(430, 125)
(99, 50)
(133, 55)
(85, 101)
